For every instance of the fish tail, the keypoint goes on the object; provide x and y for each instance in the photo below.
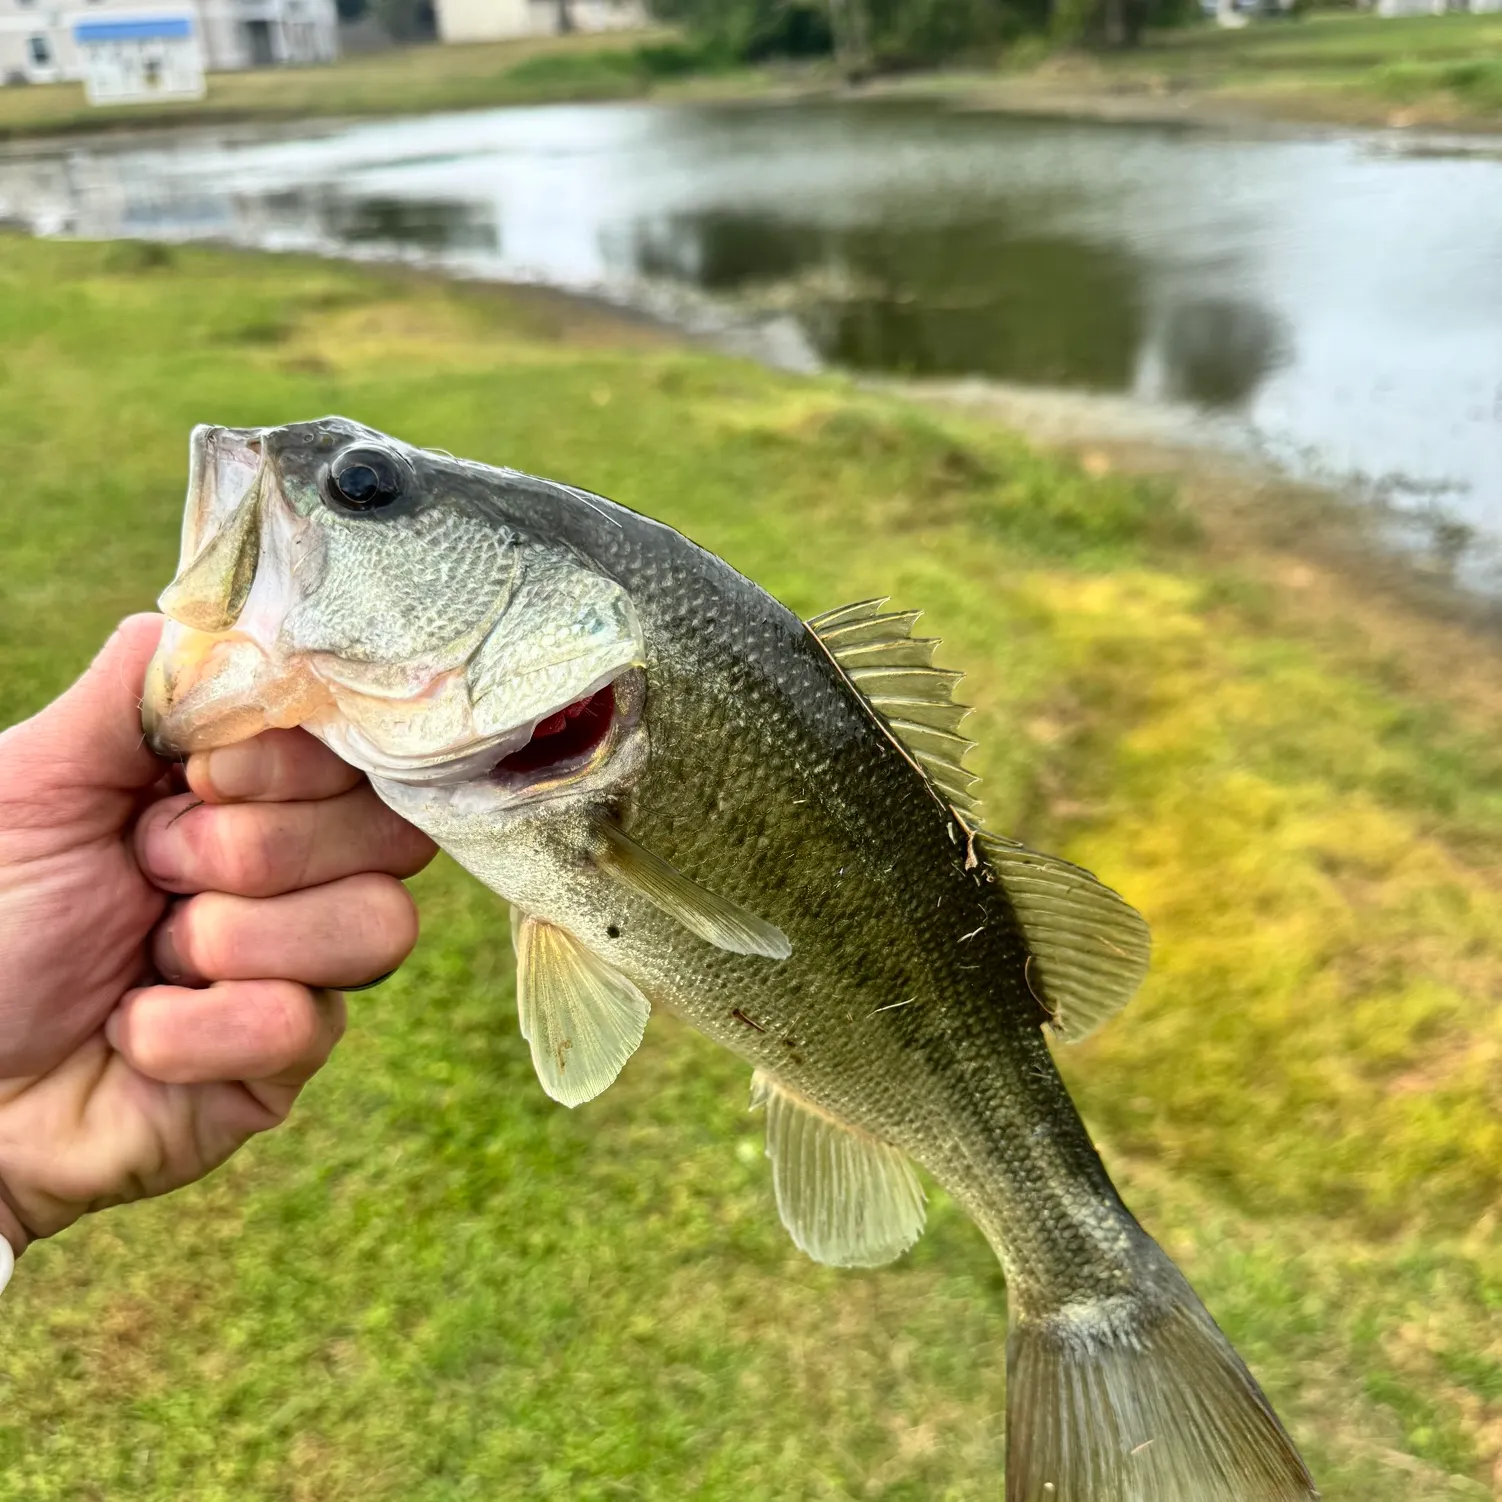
(1140, 1398)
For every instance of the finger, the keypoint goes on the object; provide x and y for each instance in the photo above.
(265, 849)
(272, 1032)
(278, 766)
(91, 736)
(345, 935)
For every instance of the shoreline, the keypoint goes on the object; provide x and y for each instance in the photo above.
(1295, 534)
(1243, 501)
(1321, 72)
(1048, 94)
(1034, 95)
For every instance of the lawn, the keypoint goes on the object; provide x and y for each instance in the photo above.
(1337, 66)
(411, 80)
(436, 1284)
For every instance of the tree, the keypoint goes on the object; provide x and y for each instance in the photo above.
(850, 26)
(866, 35)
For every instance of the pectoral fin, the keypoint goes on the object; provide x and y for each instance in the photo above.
(582, 1018)
(846, 1198)
(716, 920)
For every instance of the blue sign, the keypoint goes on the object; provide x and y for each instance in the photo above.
(154, 28)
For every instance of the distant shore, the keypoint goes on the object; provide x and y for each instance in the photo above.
(1339, 70)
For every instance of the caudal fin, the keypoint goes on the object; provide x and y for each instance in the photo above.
(1141, 1401)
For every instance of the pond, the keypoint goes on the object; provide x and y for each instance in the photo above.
(1334, 302)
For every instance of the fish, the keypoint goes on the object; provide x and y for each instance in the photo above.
(696, 802)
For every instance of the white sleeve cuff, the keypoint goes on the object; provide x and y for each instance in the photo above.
(7, 1263)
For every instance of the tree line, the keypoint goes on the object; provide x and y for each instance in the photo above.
(868, 35)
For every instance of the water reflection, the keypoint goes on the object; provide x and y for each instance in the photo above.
(1219, 350)
(430, 224)
(977, 297)
(974, 297)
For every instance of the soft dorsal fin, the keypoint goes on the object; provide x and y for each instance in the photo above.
(715, 919)
(1089, 949)
(894, 671)
(582, 1018)
(846, 1198)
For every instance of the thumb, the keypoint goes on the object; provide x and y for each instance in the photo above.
(91, 736)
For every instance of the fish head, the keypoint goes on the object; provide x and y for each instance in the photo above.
(432, 621)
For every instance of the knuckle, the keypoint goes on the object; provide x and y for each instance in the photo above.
(387, 922)
(407, 849)
(392, 921)
(203, 935)
(146, 1044)
(289, 1023)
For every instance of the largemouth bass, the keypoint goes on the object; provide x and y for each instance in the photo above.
(694, 800)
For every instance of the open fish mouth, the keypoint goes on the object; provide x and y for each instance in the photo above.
(563, 739)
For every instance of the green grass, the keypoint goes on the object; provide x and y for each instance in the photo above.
(435, 1284)
(1338, 66)
(411, 80)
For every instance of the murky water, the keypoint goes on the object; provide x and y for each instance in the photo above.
(1335, 302)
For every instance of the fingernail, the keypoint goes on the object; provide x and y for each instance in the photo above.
(168, 962)
(237, 771)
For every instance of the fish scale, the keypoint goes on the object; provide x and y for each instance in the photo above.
(773, 838)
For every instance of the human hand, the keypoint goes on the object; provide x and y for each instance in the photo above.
(143, 1041)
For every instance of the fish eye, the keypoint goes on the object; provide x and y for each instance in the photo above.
(363, 479)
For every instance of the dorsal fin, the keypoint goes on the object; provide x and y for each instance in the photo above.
(1088, 948)
(894, 672)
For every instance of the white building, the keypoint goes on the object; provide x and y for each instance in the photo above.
(503, 20)
(265, 33)
(1396, 9)
(39, 39)
(128, 61)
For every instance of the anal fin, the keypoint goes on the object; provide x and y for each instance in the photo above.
(582, 1018)
(847, 1198)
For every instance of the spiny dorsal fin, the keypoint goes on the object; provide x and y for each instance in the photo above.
(894, 672)
(846, 1198)
(715, 919)
(582, 1018)
(1088, 948)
